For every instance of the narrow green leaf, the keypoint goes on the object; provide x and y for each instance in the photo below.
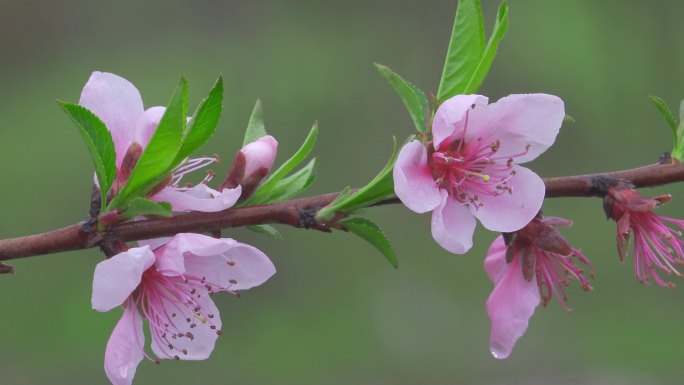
(466, 48)
(381, 187)
(568, 119)
(660, 104)
(255, 127)
(293, 185)
(266, 230)
(680, 130)
(289, 165)
(204, 121)
(139, 206)
(161, 151)
(678, 151)
(414, 99)
(369, 231)
(490, 51)
(99, 142)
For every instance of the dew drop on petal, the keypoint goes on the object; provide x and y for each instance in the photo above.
(498, 351)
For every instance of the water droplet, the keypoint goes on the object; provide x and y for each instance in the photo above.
(499, 351)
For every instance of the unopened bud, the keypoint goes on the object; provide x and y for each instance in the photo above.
(129, 161)
(251, 165)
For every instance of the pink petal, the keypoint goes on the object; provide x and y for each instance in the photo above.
(517, 121)
(260, 154)
(147, 124)
(495, 262)
(241, 267)
(171, 258)
(117, 103)
(512, 211)
(203, 334)
(198, 198)
(231, 265)
(453, 225)
(154, 243)
(450, 116)
(413, 182)
(125, 347)
(510, 307)
(117, 277)
(556, 221)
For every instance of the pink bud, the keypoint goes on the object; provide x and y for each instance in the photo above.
(260, 155)
(251, 165)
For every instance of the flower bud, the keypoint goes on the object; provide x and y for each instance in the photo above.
(251, 165)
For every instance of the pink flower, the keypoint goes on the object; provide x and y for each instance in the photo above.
(656, 246)
(534, 265)
(251, 165)
(470, 170)
(170, 287)
(119, 105)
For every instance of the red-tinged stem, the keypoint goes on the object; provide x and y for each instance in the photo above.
(300, 213)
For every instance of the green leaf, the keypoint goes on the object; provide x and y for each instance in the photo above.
(414, 99)
(289, 165)
(381, 187)
(99, 142)
(665, 111)
(266, 230)
(204, 121)
(255, 127)
(466, 48)
(490, 51)
(372, 233)
(160, 153)
(678, 151)
(139, 206)
(293, 185)
(568, 119)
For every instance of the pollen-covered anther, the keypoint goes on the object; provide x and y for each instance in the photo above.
(496, 145)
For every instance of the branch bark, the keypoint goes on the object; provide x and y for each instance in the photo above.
(299, 213)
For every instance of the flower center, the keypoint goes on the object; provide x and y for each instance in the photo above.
(469, 170)
(175, 307)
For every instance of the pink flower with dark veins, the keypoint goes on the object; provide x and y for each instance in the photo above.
(470, 169)
(658, 243)
(532, 267)
(119, 105)
(170, 286)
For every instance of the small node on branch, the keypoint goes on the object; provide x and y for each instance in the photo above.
(6, 269)
(112, 246)
(666, 158)
(307, 220)
(599, 185)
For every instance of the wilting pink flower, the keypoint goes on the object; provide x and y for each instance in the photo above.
(119, 105)
(657, 246)
(535, 265)
(170, 287)
(470, 169)
(251, 165)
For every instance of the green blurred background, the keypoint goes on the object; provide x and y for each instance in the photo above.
(336, 312)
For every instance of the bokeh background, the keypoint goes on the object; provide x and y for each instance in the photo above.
(336, 312)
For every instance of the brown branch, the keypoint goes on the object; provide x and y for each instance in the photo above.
(299, 213)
